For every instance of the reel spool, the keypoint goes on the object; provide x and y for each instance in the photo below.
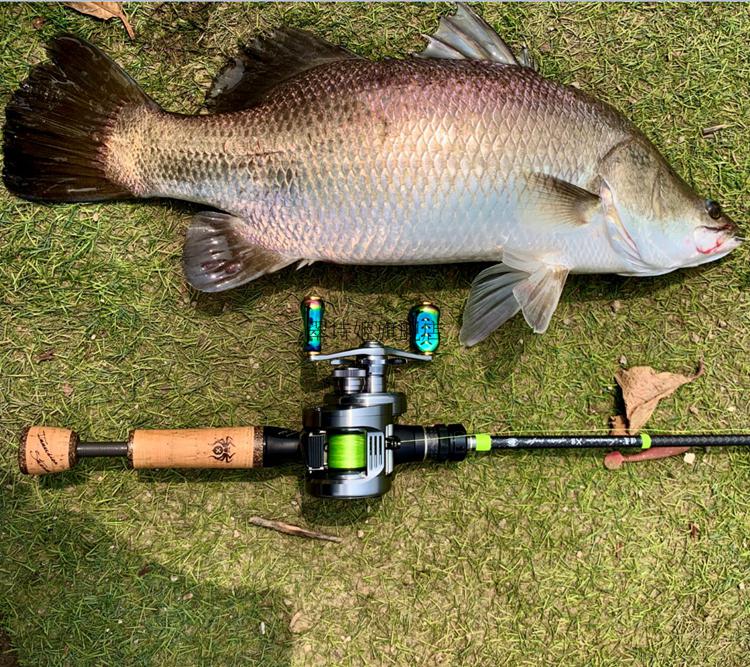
(347, 451)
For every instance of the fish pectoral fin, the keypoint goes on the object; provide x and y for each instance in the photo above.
(467, 36)
(491, 303)
(218, 256)
(539, 295)
(500, 291)
(267, 62)
(553, 203)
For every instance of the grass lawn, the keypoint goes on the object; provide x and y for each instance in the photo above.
(522, 559)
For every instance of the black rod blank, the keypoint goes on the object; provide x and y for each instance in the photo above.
(89, 449)
(615, 441)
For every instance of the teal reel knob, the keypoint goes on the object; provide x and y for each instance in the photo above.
(424, 331)
(312, 309)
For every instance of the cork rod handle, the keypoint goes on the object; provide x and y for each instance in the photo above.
(46, 449)
(229, 447)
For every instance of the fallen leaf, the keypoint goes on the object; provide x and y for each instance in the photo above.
(299, 623)
(47, 355)
(643, 388)
(694, 531)
(67, 389)
(144, 570)
(38, 23)
(104, 11)
(618, 425)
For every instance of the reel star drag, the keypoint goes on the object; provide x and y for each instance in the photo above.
(350, 445)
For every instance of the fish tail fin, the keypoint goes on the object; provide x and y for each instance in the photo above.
(58, 124)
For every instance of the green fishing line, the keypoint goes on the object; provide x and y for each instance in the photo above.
(347, 451)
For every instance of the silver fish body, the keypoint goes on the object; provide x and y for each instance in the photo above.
(412, 161)
(314, 154)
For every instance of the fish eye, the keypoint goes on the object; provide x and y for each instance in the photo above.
(713, 208)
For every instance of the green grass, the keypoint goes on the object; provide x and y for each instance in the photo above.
(520, 559)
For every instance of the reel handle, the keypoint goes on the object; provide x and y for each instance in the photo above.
(46, 450)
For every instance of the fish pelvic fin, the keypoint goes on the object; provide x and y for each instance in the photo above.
(266, 63)
(499, 292)
(539, 295)
(218, 255)
(467, 36)
(491, 303)
(58, 123)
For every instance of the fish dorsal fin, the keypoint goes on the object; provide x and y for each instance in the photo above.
(467, 36)
(267, 62)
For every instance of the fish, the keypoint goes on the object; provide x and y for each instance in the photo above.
(312, 153)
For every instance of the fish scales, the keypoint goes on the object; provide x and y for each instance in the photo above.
(377, 162)
(462, 153)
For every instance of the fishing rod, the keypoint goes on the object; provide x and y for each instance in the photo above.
(350, 445)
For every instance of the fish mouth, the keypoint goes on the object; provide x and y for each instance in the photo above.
(717, 241)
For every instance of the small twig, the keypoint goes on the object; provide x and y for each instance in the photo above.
(289, 529)
(709, 131)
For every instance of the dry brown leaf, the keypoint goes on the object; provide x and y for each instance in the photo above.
(47, 355)
(643, 388)
(104, 11)
(299, 623)
(618, 425)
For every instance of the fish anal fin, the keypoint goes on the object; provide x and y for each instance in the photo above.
(219, 256)
(466, 35)
(553, 202)
(267, 62)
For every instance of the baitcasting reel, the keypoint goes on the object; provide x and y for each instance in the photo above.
(349, 446)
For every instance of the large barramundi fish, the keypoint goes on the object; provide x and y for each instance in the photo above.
(463, 153)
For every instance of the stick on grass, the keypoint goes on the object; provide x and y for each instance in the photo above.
(289, 529)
